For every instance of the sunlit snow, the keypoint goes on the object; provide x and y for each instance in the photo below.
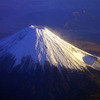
(43, 45)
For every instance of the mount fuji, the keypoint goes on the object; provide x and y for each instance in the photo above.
(37, 64)
(43, 45)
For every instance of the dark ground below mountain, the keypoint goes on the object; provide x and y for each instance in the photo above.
(48, 83)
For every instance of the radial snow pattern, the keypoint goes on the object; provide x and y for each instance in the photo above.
(43, 45)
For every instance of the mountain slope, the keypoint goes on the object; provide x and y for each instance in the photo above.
(43, 45)
(37, 64)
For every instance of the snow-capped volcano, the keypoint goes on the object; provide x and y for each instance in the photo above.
(43, 45)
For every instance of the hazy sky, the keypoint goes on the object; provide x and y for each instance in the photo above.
(49, 4)
(17, 14)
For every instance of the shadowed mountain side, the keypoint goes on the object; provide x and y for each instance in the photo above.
(46, 84)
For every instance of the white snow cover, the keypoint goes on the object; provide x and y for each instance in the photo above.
(43, 45)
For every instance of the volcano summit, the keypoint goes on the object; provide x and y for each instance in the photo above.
(37, 64)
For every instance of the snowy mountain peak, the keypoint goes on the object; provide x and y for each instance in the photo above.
(36, 27)
(42, 45)
(32, 26)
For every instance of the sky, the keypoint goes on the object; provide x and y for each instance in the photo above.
(49, 4)
(68, 14)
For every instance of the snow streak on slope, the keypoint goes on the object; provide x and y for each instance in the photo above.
(43, 45)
